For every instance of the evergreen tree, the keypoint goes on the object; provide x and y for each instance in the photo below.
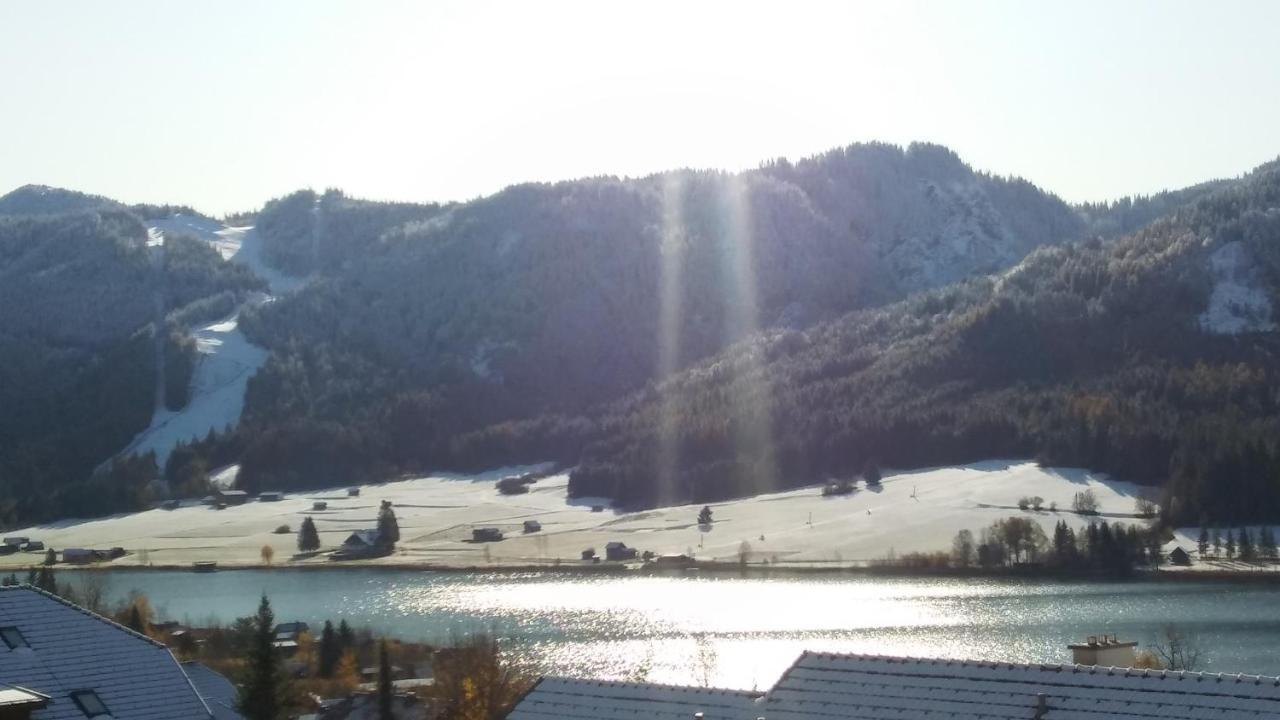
(1217, 542)
(346, 638)
(704, 515)
(1231, 545)
(1245, 543)
(1267, 543)
(871, 472)
(329, 651)
(384, 684)
(45, 581)
(262, 687)
(308, 537)
(1202, 546)
(388, 526)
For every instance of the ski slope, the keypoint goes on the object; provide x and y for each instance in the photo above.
(227, 358)
(912, 511)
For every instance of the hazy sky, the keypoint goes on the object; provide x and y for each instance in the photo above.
(223, 105)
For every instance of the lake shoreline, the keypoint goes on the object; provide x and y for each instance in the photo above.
(716, 569)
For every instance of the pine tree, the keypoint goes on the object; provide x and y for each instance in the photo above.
(45, 581)
(1203, 545)
(388, 526)
(384, 684)
(704, 515)
(262, 688)
(329, 651)
(308, 537)
(1231, 545)
(346, 638)
(1267, 542)
(871, 473)
(1245, 543)
(1217, 542)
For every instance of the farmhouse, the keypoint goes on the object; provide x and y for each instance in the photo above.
(532, 526)
(619, 551)
(270, 496)
(361, 541)
(486, 534)
(231, 497)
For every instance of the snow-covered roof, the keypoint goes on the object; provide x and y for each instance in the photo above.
(556, 698)
(821, 685)
(362, 537)
(65, 649)
(218, 692)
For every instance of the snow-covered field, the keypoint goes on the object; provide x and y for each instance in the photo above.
(227, 358)
(912, 511)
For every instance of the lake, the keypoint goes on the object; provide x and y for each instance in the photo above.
(732, 631)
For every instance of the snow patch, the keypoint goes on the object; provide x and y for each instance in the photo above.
(227, 361)
(227, 358)
(1238, 303)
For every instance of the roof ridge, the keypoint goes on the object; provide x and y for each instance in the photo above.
(665, 686)
(86, 611)
(1045, 667)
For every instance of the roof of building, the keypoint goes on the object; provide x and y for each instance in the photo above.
(822, 685)
(14, 696)
(218, 692)
(66, 649)
(367, 537)
(553, 698)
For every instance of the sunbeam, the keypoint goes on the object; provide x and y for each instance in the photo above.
(751, 404)
(671, 303)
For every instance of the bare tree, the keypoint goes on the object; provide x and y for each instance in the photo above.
(1177, 648)
(95, 586)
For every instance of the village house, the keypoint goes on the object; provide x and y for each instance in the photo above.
(270, 496)
(619, 551)
(61, 662)
(80, 556)
(486, 534)
(360, 543)
(231, 497)
(532, 526)
(1180, 557)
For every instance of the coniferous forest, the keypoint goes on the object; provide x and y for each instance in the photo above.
(685, 337)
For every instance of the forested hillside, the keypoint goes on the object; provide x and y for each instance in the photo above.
(78, 294)
(558, 297)
(1153, 357)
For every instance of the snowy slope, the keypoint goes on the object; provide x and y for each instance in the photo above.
(227, 358)
(913, 511)
(1238, 303)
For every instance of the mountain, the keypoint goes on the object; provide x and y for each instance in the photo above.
(1152, 356)
(556, 298)
(82, 293)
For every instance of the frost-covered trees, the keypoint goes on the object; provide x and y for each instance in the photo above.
(1085, 502)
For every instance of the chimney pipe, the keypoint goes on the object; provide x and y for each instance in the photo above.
(1042, 707)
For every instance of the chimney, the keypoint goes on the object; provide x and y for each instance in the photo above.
(1042, 707)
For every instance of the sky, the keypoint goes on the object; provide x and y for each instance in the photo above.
(225, 105)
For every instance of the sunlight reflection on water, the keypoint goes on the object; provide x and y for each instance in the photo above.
(737, 632)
